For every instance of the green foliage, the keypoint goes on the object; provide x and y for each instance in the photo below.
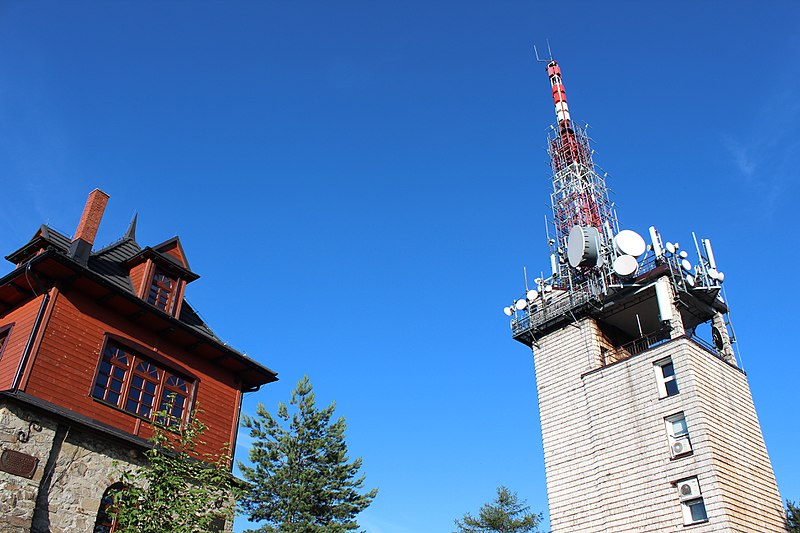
(792, 517)
(301, 479)
(175, 492)
(506, 514)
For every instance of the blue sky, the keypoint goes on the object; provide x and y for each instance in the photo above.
(360, 184)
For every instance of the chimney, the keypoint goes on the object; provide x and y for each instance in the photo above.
(83, 240)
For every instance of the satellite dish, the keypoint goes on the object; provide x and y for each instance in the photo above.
(684, 254)
(548, 288)
(583, 247)
(690, 280)
(716, 336)
(629, 242)
(713, 274)
(532, 294)
(625, 265)
(720, 277)
(670, 248)
(687, 266)
(508, 311)
(520, 304)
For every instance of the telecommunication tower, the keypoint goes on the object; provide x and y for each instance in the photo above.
(646, 425)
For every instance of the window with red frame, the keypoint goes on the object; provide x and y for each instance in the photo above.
(162, 290)
(133, 383)
(4, 331)
(106, 521)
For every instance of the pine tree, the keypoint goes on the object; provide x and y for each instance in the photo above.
(506, 514)
(792, 517)
(301, 479)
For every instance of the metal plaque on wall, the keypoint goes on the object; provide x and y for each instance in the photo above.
(18, 463)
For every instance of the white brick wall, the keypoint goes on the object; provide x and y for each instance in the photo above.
(607, 457)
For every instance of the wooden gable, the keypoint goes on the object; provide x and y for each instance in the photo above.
(173, 248)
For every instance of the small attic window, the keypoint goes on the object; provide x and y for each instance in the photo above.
(162, 290)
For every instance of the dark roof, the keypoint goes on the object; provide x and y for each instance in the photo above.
(111, 266)
(108, 262)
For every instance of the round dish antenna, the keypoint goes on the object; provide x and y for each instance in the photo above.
(583, 247)
(625, 265)
(629, 242)
(532, 295)
(520, 304)
(508, 311)
(670, 247)
(716, 336)
(690, 280)
(687, 266)
(683, 254)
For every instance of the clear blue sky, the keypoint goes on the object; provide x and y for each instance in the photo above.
(360, 184)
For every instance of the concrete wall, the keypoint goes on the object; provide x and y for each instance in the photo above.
(607, 455)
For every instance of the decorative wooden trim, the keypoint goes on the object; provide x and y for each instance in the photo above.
(37, 342)
(7, 330)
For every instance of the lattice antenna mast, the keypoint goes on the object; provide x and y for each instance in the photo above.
(580, 196)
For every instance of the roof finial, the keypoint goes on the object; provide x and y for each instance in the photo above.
(131, 233)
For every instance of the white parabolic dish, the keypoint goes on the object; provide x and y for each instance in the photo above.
(625, 265)
(630, 243)
(583, 247)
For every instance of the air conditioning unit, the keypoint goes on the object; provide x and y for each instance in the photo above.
(688, 488)
(681, 446)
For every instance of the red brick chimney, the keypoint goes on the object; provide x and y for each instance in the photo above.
(83, 240)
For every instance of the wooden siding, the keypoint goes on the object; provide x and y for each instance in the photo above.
(174, 250)
(64, 368)
(138, 275)
(23, 318)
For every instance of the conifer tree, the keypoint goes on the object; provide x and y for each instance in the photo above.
(506, 514)
(792, 516)
(301, 479)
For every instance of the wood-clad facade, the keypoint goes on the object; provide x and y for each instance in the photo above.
(93, 344)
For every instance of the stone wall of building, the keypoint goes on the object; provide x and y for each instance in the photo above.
(19, 493)
(74, 469)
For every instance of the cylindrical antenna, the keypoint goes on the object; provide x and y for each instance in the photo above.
(709, 253)
(700, 256)
(656, 240)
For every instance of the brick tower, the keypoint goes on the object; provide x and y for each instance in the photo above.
(646, 426)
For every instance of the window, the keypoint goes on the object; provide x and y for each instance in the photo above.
(665, 378)
(692, 505)
(678, 435)
(694, 511)
(162, 290)
(106, 521)
(141, 387)
(4, 331)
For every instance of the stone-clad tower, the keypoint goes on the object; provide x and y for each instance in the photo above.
(646, 426)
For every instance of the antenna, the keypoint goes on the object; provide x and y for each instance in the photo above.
(549, 52)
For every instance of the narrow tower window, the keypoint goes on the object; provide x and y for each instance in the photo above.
(678, 435)
(665, 378)
(694, 510)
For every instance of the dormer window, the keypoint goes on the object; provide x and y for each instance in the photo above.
(162, 291)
